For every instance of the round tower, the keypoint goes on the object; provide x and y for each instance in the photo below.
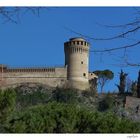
(76, 59)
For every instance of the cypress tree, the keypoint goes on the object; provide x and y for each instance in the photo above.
(122, 84)
(138, 86)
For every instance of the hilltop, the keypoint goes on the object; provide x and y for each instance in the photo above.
(36, 108)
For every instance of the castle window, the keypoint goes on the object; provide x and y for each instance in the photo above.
(77, 42)
(81, 42)
(82, 62)
(84, 74)
(85, 43)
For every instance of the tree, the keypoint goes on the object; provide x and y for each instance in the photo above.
(13, 14)
(122, 84)
(138, 86)
(104, 77)
(134, 88)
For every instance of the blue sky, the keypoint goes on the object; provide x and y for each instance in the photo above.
(38, 41)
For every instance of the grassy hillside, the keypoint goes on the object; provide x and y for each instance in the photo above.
(39, 109)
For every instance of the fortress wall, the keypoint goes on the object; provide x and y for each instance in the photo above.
(132, 102)
(54, 77)
(61, 72)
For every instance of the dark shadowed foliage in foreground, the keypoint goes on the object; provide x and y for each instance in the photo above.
(65, 118)
(60, 112)
(64, 95)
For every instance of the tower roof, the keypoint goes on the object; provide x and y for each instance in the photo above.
(77, 39)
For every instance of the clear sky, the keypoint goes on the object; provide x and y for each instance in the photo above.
(38, 41)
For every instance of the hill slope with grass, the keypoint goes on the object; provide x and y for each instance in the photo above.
(40, 109)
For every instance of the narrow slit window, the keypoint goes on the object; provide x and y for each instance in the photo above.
(84, 74)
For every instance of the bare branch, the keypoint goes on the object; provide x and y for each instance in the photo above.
(117, 48)
(13, 14)
(111, 38)
(132, 64)
(8, 15)
(134, 23)
(34, 10)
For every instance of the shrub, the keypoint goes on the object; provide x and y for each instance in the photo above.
(66, 118)
(51, 118)
(89, 93)
(106, 103)
(7, 103)
(30, 99)
(65, 95)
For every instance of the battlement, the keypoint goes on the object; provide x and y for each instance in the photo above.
(30, 70)
(6, 69)
(76, 42)
(3, 68)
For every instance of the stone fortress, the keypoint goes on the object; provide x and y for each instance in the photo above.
(74, 73)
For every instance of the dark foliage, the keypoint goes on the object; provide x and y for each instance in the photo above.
(7, 104)
(29, 96)
(106, 103)
(62, 113)
(89, 93)
(65, 95)
(134, 88)
(138, 86)
(122, 84)
(65, 118)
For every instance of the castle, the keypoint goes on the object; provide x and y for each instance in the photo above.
(74, 73)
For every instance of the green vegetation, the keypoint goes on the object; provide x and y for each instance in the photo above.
(106, 103)
(122, 85)
(138, 86)
(63, 118)
(7, 104)
(63, 95)
(31, 98)
(62, 111)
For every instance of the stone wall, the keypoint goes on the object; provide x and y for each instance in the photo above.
(50, 76)
(132, 102)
